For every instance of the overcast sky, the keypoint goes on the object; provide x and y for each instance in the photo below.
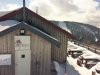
(84, 11)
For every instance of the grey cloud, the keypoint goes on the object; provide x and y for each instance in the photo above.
(43, 8)
(93, 19)
(64, 5)
(67, 10)
(93, 23)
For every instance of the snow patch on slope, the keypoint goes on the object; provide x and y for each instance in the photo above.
(63, 26)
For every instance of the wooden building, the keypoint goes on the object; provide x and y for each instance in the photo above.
(43, 40)
(30, 51)
(57, 54)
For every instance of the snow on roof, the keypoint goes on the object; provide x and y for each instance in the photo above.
(6, 24)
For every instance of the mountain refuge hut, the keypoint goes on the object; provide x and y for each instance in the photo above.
(28, 46)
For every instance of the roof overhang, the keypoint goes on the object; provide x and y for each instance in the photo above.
(31, 29)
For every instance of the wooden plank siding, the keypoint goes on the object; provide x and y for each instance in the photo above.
(40, 51)
(57, 54)
(18, 17)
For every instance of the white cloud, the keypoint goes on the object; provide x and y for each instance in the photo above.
(41, 4)
(52, 7)
(8, 7)
(85, 11)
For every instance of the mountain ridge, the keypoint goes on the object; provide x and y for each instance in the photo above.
(83, 32)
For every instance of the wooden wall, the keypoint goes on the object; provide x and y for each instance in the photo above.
(18, 17)
(57, 54)
(40, 51)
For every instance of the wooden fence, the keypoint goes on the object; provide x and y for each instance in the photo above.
(89, 47)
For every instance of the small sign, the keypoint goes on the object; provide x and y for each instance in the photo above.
(5, 59)
(22, 42)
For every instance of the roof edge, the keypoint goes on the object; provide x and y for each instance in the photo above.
(53, 25)
(31, 29)
(10, 14)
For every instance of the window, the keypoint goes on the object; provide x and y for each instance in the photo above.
(22, 31)
(23, 56)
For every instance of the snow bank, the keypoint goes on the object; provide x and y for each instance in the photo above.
(72, 44)
(6, 24)
(82, 49)
(54, 66)
(98, 66)
(60, 68)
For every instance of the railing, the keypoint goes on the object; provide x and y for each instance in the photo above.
(89, 47)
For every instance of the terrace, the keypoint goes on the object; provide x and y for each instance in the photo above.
(89, 64)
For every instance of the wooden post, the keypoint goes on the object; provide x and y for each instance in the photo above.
(24, 12)
(88, 47)
(95, 50)
(82, 60)
(93, 73)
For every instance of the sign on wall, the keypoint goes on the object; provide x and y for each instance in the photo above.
(22, 42)
(5, 59)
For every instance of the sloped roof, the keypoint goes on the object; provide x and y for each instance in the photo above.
(2, 13)
(38, 16)
(31, 29)
(10, 13)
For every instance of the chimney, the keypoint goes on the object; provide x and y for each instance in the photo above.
(24, 14)
(37, 10)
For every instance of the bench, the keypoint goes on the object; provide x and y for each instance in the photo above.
(76, 54)
(97, 70)
(90, 64)
(69, 52)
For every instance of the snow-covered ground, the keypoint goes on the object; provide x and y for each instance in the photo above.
(71, 66)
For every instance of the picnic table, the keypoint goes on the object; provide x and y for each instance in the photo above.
(98, 68)
(75, 52)
(90, 64)
(90, 60)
